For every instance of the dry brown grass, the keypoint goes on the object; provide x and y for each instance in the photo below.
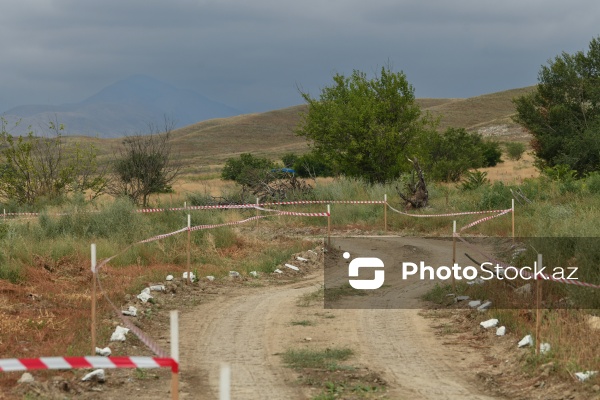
(513, 171)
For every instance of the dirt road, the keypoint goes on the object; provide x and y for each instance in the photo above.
(249, 329)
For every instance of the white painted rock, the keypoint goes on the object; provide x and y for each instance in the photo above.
(544, 348)
(97, 375)
(234, 274)
(484, 306)
(290, 266)
(189, 276)
(301, 259)
(474, 303)
(462, 298)
(526, 341)
(157, 288)
(26, 378)
(210, 278)
(132, 311)
(254, 274)
(169, 278)
(501, 331)
(105, 352)
(525, 289)
(278, 271)
(490, 323)
(477, 281)
(144, 296)
(119, 334)
(584, 376)
(313, 252)
(146, 290)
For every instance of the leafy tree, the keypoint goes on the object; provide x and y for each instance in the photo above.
(364, 127)
(247, 169)
(311, 165)
(456, 151)
(563, 112)
(35, 167)
(145, 166)
(289, 160)
(515, 150)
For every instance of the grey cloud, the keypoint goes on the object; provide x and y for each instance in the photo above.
(251, 55)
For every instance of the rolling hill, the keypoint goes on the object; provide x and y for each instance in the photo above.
(206, 145)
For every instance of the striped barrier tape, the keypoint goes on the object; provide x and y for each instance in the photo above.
(448, 214)
(141, 335)
(525, 272)
(300, 214)
(24, 364)
(285, 203)
(202, 227)
(472, 224)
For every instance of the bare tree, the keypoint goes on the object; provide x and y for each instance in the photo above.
(144, 165)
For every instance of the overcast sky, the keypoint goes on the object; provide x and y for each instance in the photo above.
(252, 55)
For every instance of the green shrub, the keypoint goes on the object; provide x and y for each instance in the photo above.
(496, 196)
(515, 150)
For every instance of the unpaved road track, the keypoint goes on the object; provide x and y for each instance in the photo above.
(248, 329)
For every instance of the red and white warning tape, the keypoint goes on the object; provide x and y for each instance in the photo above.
(448, 214)
(472, 224)
(23, 364)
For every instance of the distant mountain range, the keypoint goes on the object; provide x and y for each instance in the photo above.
(123, 108)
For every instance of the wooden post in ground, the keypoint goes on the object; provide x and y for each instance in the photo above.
(538, 293)
(453, 254)
(256, 222)
(175, 354)
(93, 327)
(513, 220)
(189, 240)
(225, 382)
(385, 213)
(328, 225)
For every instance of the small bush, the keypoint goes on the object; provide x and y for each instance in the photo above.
(474, 180)
(592, 183)
(515, 150)
(495, 196)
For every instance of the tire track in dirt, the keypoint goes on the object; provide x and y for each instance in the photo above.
(245, 331)
(247, 327)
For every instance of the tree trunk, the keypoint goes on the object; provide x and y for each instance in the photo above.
(419, 196)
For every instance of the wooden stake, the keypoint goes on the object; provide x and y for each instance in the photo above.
(225, 382)
(93, 251)
(513, 220)
(538, 290)
(328, 225)
(385, 213)
(189, 239)
(256, 222)
(174, 353)
(453, 254)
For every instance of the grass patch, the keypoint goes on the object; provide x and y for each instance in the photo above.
(303, 322)
(334, 294)
(439, 294)
(323, 359)
(308, 299)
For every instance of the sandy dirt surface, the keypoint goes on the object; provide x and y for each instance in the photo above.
(248, 330)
